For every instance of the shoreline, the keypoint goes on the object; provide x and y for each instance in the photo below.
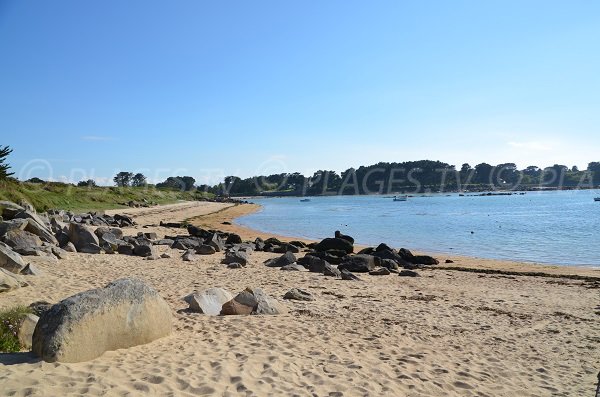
(215, 220)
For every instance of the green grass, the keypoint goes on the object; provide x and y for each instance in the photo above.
(10, 320)
(55, 195)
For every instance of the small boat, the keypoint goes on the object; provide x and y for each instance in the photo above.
(596, 198)
(400, 198)
(305, 200)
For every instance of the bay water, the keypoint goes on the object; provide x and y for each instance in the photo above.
(558, 227)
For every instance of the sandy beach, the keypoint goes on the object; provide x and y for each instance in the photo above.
(446, 333)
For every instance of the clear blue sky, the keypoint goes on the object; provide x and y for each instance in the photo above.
(215, 88)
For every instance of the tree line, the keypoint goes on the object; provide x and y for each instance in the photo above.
(414, 177)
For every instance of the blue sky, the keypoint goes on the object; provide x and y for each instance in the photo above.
(210, 89)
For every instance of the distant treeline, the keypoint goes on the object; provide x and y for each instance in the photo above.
(414, 177)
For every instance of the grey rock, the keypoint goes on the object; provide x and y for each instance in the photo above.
(31, 270)
(408, 273)
(144, 250)
(209, 301)
(84, 239)
(69, 247)
(346, 275)
(26, 329)
(331, 271)
(293, 267)
(335, 244)
(10, 260)
(10, 281)
(359, 263)
(235, 265)
(236, 256)
(380, 271)
(286, 259)
(299, 295)
(205, 249)
(125, 313)
(189, 255)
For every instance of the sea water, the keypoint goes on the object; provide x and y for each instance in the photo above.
(559, 227)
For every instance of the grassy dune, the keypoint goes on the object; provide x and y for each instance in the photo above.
(53, 195)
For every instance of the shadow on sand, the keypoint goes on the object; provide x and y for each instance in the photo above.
(18, 358)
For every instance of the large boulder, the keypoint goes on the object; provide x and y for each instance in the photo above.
(313, 263)
(125, 313)
(233, 239)
(339, 234)
(10, 260)
(17, 239)
(209, 301)
(335, 244)
(286, 259)
(37, 226)
(360, 263)
(84, 239)
(10, 281)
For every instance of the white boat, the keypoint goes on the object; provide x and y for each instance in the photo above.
(400, 198)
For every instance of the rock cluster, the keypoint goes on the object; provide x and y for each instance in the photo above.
(217, 301)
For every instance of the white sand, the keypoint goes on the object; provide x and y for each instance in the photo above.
(447, 333)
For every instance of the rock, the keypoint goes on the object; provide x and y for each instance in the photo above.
(335, 244)
(285, 247)
(329, 257)
(31, 270)
(84, 239)
(393, 255)
(299, 244)
(144, 250)
(209, 301)
(408, 273)
(389, 264)
(150, 235)
(197, 232)
(165, 256)
(293, 267)
(236, 256)
(10, 260)
(383, 247)
(125, 249)
(69, 247)
(26, 329)
(17, 238)
(13, 224)
(37, 226)
(298, 295)
(346, 275)
(286, 259)
(164, 241)
(259, 244)
(189, 255)
(313, 264)
(125, 313)
(59, 252)
(233, 239)
(10, 281)
(216, 242)
(380, 271)
(185, 243)
(252, 301)
(205, 249)
(424, 260)
(349, 239)
(331, 271)
(359, 263)
(235, 265)
(40, 307)
(449, 261)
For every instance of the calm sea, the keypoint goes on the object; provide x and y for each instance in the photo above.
(549, 227)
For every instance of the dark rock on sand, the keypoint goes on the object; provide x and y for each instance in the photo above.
(360, 263)
(338, 234)
(408, 273)
(335, 244)
(380, 271)
(236, 256)
(298, 295)
(285, 259)
(346, 275)
(205, 249)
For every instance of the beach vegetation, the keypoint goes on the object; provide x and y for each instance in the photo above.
(10, 321)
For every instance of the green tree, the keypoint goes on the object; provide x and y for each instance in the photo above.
(123, 179)
(4, 167)
(88, 183)
(138, 180)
